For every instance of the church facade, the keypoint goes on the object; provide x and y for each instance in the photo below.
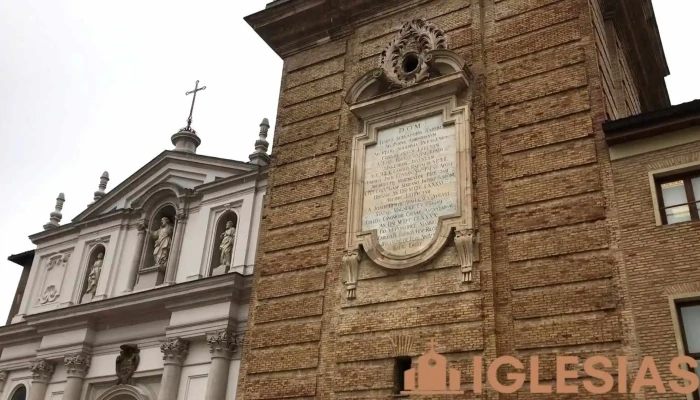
(144, 295)
(442, 171)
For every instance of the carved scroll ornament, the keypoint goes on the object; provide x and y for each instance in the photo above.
(405, 59)
(351, 267)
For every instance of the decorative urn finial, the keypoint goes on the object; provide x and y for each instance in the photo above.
(101, 187)
(55, 216)
(260, 156)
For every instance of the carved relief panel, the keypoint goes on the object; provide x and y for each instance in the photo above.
(52, 277)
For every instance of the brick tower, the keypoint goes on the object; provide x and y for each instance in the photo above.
(527, 263)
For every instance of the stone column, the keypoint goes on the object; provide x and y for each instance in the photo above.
(174, 258)
(42, 371)
(133, 271)
(77, 366)
(174, 354)
(3, 379)
(222, 345)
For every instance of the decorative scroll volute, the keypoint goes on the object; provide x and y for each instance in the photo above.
(351, 267)
(465, 241)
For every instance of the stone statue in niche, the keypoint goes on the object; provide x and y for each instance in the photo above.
(93, 278)
(226, 245)
(127, 362)
(163, 239)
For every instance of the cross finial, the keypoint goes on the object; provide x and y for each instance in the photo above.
(196, 89)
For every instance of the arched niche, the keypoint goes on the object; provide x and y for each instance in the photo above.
(125, 392)
(168, 211)
(19, 393)
(88, 290)
(219, 266)
(164, 200)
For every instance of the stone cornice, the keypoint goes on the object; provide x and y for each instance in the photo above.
(158, 299)
(293, 26)
(164, 157)
(76, 227)
(255, 176)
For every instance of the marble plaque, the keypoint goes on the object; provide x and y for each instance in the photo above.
(410, 182)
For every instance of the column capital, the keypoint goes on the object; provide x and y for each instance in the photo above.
(42, 370)
(77, 365)
(222, 343)
(175, 350)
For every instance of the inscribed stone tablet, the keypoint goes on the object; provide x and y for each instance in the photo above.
(410, 181)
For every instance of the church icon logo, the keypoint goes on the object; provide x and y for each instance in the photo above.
(430, 376)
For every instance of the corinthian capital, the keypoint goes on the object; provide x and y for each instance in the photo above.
(175, 350)
(77, 364)
(222, 343)
(3, 379)
(42, 370)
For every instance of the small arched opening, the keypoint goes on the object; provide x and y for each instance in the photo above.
(20, 393)
(224, 243)
(93, 271)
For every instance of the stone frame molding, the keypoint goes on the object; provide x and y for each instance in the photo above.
(49, 293)
(662, 172)
(117, 391)
(376, 111)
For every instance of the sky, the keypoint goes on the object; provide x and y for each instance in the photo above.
(91, 86)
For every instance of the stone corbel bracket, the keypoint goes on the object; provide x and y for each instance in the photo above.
(351, 268)
(467, 250)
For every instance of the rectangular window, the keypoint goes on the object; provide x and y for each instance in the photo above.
(678, 197)
(689, 320)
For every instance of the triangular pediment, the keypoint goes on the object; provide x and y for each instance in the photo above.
(178, 172)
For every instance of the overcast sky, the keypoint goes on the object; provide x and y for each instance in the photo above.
(88, 86)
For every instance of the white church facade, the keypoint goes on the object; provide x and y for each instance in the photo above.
(144, 295)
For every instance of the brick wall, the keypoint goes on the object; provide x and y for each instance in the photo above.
(548, 280)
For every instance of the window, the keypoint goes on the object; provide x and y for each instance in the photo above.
(401, 365)
(689, 320)
(678, 197)
(20, 393)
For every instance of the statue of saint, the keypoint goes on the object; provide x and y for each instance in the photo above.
(94, 275)
(226, 245)
(163, 238)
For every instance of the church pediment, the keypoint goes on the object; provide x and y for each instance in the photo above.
(173, 172)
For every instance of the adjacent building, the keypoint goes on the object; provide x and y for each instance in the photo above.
(143, 295)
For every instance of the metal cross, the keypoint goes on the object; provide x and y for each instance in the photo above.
(196, 89)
